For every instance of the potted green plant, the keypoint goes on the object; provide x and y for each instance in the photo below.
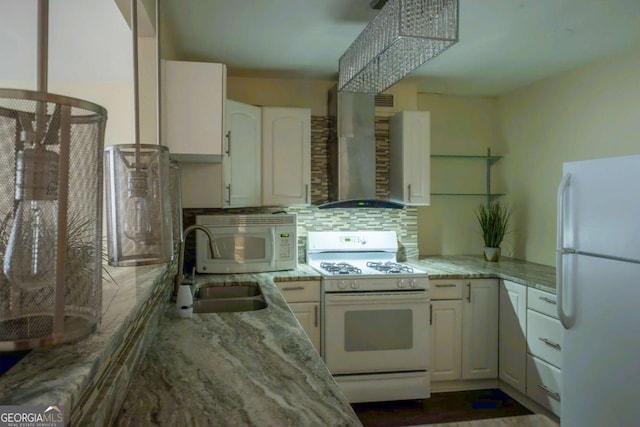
(493, 218)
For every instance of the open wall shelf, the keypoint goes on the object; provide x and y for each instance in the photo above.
(490, 161)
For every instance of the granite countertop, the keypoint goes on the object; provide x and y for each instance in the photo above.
(539, 276)
(69, 375)
(251, 368)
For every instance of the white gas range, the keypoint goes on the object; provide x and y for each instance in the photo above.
(376, 329)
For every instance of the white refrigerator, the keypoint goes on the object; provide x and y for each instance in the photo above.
(598, 290)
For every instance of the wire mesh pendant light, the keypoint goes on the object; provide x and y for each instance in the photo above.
(137, 186)
(404, 35)
(51, 156)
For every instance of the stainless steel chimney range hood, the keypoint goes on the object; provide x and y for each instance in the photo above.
(352, 152)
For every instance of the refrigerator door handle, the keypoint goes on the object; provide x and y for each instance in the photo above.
(567, 319)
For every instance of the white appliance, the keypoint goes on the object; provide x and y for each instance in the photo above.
(247, 243)
(598, 289)
(376, 329)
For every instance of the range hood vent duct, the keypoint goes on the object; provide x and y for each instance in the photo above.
(384, 100)
(352, 152)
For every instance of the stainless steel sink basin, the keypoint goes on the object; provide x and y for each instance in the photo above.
(212, 298)
(237, 291)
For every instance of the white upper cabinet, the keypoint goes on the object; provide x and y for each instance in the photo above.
(410, 143)
(242, 157)
(193, 110)
(286, 156)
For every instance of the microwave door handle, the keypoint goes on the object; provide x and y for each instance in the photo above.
(273, 247)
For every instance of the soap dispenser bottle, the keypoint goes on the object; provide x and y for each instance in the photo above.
(184, 302)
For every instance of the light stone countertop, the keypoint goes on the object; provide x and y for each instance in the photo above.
(254, 368)
(534, 275)
(68, 375)
(249, 368)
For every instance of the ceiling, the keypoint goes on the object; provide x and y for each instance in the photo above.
(504, 44)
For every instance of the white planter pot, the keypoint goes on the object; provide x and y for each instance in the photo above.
(491, 254)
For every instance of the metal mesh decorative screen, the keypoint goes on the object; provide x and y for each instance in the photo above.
(404, 35)
(51, 151)
(139, 225)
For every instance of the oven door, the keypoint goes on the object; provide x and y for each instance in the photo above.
(368, 332)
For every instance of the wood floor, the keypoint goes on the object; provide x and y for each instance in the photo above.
(465, 408)
(535, 420)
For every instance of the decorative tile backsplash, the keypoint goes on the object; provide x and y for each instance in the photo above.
(403, 221)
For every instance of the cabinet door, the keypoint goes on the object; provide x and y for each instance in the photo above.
(242, 155)
(446, 340)
(410, 157)
(513, 342)
(480, 330)
(193, 103)
(308, 314)
(286, 141)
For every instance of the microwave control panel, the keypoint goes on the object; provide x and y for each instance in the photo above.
(287, 245)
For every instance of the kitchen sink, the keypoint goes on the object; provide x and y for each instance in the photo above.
(208, 291)
(212, 298)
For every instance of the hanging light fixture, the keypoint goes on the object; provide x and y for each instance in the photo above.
(404, 35)
(137, 180)
(51, 155)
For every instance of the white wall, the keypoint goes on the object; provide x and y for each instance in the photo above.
(459, 126)
(89, 56)
(588, 113)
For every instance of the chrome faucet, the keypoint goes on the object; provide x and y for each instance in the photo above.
(212, 246)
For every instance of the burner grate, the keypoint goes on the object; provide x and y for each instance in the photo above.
(340, 268)
(389, 267)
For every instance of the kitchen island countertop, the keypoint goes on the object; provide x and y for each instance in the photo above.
(248, 368)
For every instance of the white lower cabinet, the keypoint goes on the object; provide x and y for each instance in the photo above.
(544, 347)
(464, 343)
(513, 329)
(544, 382)
(303, 297)
(446, 340)
(480, 330)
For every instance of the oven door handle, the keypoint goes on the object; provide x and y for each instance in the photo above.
(376, 297)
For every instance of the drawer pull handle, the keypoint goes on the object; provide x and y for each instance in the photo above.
(294, 288)
(552, 394)
(445, 285)
(550, 343)
(549, 300)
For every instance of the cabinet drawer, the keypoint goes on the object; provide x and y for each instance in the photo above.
(542, 302)
(446, 289)
(544, 382)
(300, 290)
(544, 337)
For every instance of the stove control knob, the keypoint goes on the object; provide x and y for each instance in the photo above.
(413, 283)
(355, 284)
(342, 284)
(401, 283)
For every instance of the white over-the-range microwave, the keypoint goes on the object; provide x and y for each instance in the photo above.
(247, 243)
